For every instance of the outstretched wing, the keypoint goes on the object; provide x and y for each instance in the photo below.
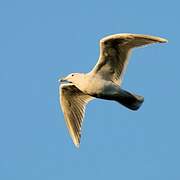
(73, 102)
(114, 52)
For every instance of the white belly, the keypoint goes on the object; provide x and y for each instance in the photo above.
(96, 86)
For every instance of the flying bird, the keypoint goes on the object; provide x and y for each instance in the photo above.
(103, 81)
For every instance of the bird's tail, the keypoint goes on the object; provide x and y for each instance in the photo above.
(129, 100)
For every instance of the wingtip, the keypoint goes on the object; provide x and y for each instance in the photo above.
(77, 145)
(76, 142)
(162, 40)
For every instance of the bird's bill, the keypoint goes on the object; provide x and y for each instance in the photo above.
(64, 80)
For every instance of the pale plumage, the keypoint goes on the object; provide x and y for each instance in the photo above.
(103, 81)
(73, 103)
(114, 52)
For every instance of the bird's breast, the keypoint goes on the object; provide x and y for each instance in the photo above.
(96, 86)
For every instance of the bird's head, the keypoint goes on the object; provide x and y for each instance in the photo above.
(73, 78)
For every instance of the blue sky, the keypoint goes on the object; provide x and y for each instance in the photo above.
(41, 41)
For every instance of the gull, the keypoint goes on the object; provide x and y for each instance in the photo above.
(103, 81)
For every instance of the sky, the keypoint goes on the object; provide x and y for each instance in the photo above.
(41, 41)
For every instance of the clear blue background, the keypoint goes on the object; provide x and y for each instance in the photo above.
(41, 41)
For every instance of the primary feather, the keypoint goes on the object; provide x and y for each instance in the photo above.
(73, 103)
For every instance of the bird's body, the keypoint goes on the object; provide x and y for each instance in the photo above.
(104, 81)
(93, 84)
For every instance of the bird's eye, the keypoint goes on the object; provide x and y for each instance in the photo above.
(72, 74)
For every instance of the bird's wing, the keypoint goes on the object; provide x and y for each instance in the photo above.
(73, 102)
(114, 51)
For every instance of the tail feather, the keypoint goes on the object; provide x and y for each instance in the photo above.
(129, 100)
(125, 98)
